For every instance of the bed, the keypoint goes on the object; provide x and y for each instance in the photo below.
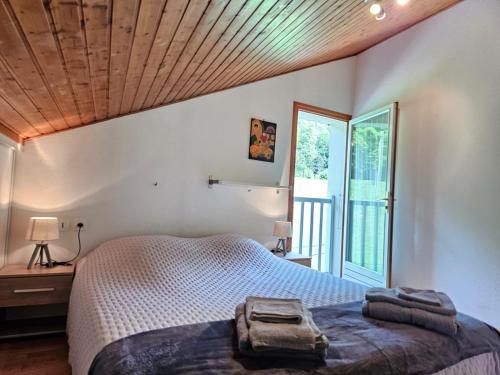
(135, 286)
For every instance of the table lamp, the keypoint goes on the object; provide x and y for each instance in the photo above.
(282, 230)
(42, 229)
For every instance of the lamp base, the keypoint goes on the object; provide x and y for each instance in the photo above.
(41, 248)
(280, 247)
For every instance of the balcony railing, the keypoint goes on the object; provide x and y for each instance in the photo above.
(366, 228)
(312, 233)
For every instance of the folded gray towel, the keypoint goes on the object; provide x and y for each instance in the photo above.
(245, 347)
(446, 324)
(304, 336)
(242, 328)
(275, 310)
(392, 296)
(428, 297)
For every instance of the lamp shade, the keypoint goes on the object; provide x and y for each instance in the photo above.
(282, 229)
(43, 229)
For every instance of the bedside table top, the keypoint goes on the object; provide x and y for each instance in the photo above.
(296, 256)
(20, 270)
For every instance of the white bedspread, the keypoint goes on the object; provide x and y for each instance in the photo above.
(137, 284)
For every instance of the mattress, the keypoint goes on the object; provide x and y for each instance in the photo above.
(136, 284)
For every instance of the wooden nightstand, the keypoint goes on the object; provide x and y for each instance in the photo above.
(299, 258)
(35, 301)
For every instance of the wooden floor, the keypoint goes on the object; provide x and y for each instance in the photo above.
(35, 356)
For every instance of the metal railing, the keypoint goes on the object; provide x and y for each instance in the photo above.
(313, 221)
(314, 232)
(365, 233)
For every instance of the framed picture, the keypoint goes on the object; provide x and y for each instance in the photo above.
(262, 140)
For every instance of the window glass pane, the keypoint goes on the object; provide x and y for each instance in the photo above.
(367, 219)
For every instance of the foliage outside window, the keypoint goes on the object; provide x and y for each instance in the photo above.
(312, 150)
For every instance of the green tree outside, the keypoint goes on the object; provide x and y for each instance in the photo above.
(312, 150)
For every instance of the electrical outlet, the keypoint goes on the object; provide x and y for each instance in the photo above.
(75, 222)
(64, 224)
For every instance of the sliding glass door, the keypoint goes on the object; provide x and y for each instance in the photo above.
(369, 197)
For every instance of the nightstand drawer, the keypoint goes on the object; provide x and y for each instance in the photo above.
(37, 290)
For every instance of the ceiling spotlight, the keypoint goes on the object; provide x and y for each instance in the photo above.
(380, 16)
(403, 2)
(376, 8)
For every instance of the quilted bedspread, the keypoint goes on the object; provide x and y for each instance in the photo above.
(137, 284)
(358, 346)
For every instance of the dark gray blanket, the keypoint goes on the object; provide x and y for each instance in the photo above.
(358, 345)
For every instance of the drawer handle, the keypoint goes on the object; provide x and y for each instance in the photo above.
(34, 290)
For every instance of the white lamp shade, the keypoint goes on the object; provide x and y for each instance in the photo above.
(282, 229)
(43, 229)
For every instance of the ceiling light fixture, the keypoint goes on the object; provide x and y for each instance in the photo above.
(376, 9)
(381, 15)
(403, 2)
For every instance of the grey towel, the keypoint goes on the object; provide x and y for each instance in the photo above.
(391, 296)
(275, 310)
(446, 324)
(245, 346)
(428, 297)
(304, 336)
(241, 328)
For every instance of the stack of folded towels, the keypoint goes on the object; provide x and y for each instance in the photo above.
(425, 308)
(272, 327)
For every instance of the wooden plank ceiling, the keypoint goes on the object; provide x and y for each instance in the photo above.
(68, 63)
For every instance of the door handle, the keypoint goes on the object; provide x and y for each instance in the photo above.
(389, 201)
(386, 200)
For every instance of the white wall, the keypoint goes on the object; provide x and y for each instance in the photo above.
(445, 72)
(105, 173)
